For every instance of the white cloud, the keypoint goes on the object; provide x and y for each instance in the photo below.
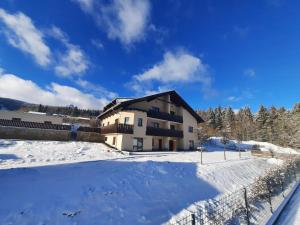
(125, 20)
(22, 34)
(96, 89)
(86, 5)
(250, 72)
(73, 61)
(97, 43)
(234, 98)
(176, 68)
(12, 86)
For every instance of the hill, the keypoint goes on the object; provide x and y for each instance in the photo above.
(13, 104)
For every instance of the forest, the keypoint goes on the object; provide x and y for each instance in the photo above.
(275, 125)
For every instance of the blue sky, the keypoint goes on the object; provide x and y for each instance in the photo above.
(86, 52)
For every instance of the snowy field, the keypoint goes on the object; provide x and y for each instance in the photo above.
(15, 153)
(53, 182)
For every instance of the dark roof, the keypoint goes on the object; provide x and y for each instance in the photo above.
(174, 97)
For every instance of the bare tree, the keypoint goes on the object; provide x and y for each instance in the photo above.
(224, 141)
(202, 137)
(239, 138)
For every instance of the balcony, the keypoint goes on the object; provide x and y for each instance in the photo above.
(154, 131)
(117, 128)
(164, 116)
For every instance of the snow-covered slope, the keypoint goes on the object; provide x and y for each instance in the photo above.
(141, 188)
(247, 145)
(16, 153)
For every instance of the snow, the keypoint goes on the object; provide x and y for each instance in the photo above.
(16, 153)
(291, 213)
(44, 182)
(247, 145)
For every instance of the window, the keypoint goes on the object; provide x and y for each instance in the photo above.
(191, 144)
(172, 127)
(156, 125)
(126, 120)
(140, 122)
(103, 125)
(137, 144)
(172, 113)
(155, 109)
(16, 119)
(47, 122)
(105, 138)
(107, 123)
(114, 141)
(190, 129)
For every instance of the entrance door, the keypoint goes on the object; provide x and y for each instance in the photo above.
(171, 145)
(160, 144)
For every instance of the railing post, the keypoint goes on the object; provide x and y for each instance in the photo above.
(247, 206)
(294, 169)
(270, 197)
(193, 219)
(201, 150)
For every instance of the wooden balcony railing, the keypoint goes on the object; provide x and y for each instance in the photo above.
(163, 132)
(164, 116)
(117, 128)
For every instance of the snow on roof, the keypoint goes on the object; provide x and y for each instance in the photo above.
(38, 113)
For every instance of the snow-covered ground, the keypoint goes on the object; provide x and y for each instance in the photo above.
(291, 213)
(140, 188)
(247, 145)
(17, 153)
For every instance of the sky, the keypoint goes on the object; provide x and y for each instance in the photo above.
(87, 52)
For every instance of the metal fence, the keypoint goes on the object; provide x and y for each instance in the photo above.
(250, 205)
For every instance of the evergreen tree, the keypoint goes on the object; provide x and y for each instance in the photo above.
(295, 127)
(261, 124)
(211, 119)
(40, 108)
(219, 118)
(272, 124)
(229, 121)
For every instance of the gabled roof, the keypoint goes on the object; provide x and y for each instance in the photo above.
(174, 97)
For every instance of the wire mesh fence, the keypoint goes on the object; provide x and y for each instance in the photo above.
(251, 205)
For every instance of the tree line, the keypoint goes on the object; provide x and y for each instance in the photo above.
(67, 110)
(276, 125)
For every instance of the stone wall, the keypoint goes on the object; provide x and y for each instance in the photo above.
(47, 134)
(34, 134)
(89, 136)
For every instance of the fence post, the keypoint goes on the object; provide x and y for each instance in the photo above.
(282, 187)
(201, 150)
(247, 206)
(294, 169)
(193, 219)
(269, 197)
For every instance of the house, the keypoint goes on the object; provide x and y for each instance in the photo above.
(30, 116)
(162, 121)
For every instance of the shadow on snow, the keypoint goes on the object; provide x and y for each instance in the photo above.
(103, 192)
